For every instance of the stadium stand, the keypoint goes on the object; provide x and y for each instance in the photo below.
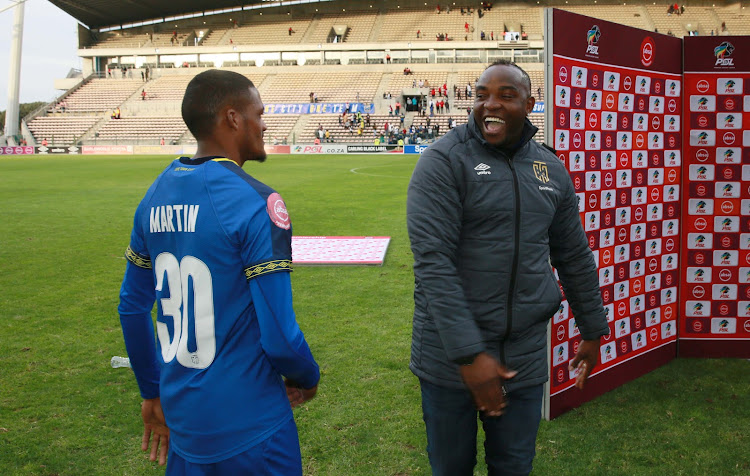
(61, 129)
(142, 130)
(274, 29)
(100, 94)
(630, 15)
(404, 23)
(359, 26)
(699, 19)
(334, 75)
(339, 86)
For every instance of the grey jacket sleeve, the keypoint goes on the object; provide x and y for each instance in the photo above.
(433, 217)
(571, 256)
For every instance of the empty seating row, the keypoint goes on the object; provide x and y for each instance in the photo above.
(61, 129)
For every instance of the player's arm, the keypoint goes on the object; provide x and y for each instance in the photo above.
(137, 296)
(281, 338)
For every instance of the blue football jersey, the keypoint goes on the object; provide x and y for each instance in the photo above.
(212, 246)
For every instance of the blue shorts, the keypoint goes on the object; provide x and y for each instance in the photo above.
(277, 455)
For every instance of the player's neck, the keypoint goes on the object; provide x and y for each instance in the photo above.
(212, 149)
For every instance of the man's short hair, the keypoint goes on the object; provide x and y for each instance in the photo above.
(207, 94)
(505, 62)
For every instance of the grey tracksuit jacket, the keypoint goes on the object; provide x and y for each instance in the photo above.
(484, 228)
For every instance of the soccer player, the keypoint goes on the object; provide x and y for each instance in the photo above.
(212, 246)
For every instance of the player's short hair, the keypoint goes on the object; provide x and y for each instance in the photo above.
(207, 94)
(505, 62)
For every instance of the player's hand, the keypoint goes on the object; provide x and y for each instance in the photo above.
(298, 395)
(484, 378)
(155, 424)
(585, 360)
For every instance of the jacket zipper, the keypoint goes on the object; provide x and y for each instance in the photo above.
(514, 268)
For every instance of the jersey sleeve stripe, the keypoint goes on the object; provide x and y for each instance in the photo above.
(273, 266)
(137, 259)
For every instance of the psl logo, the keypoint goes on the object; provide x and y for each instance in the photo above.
(592, 37)
(698, 309)
(541, 172)
(643, 82)
(728, 154)
(724, 292)
(729, 120)
(563, 93)
(726, 225)
(562, 137)
(722, 52)
(611, 80)
(728, 190)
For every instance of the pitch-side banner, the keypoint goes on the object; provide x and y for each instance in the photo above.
(614, 117)
(715, 296)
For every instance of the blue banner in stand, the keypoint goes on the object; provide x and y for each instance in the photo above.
(318, 108)
(538, 107)
(414, 149)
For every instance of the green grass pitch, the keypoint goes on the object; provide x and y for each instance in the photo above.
(64, 224)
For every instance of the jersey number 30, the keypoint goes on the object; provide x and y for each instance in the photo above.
(179, 275)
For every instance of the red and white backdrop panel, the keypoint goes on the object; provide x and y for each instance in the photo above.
(715, 264)
(615, 121)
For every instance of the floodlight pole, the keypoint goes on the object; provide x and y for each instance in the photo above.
(14, 72)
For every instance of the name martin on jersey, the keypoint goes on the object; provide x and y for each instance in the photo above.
(164, 218)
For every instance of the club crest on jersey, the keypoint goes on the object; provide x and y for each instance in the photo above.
(592, 37)
(276, 209)
(722, 53)
(541, 172)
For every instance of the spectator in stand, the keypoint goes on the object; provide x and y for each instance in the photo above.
(466, 26)
(161, 142)
(723, 26)
(398, 107)
(44, 142)
(481, 35)
(143, 95)
(388, 58)
(312, 97)
(419, 33)
(291, 30)
(447, 106)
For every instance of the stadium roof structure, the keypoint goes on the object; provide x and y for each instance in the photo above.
(96, 14)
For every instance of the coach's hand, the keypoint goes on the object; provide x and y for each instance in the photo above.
(484, 378)
(585, 360)
(154, 423)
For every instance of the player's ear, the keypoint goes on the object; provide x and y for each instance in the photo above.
(233, 118)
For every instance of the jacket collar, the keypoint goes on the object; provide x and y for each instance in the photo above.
(529, 130)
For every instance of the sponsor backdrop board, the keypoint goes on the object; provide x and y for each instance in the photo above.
(338, 250)
(614, 118)
(715, 295)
